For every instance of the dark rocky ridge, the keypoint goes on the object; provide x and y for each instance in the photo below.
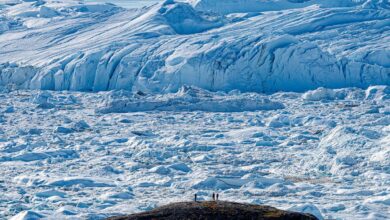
(220, 210)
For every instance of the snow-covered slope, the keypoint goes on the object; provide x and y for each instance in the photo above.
(263, 46)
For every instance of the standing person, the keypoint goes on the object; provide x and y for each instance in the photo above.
(217, 196)
(196, 197)
(213, 196)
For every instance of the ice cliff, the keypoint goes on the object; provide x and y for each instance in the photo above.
(249, 45)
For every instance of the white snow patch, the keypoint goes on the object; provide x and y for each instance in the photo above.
(27, 215)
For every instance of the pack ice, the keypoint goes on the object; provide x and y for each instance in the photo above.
(77, 155)
(250, 45)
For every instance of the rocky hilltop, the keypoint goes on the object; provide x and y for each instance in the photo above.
(216, 210)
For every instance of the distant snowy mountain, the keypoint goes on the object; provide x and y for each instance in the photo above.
(249, 45)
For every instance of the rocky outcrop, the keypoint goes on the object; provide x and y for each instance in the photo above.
(216, 210)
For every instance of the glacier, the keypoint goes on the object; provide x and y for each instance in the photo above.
(251, 46)
(107, 110)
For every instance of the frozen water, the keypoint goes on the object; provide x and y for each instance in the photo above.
(27, 215)
(182, 115)
(128, 3)
(257, 46)
(188, 99)
(308, 209)
(322, 154)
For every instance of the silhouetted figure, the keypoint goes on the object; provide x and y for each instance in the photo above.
(217, 196)
(213, 196)
(196, 197)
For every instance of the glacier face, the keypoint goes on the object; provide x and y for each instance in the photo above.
(261, 46)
